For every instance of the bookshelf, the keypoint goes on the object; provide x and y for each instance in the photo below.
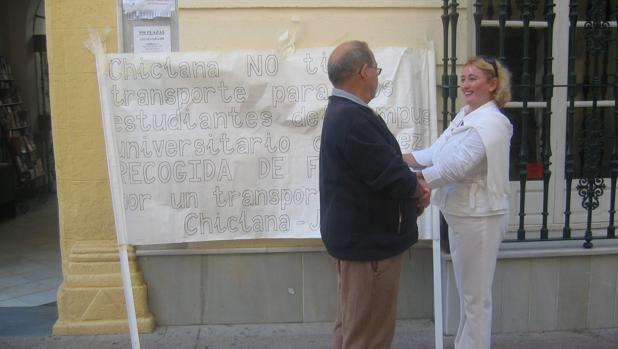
(17, 145)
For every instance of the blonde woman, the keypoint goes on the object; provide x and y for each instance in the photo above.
(468, 166)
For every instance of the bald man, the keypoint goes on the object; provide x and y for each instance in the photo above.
(369, 202)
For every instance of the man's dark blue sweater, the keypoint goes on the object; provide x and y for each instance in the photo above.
(366, 207)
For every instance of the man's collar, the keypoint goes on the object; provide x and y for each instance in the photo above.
(347, 95)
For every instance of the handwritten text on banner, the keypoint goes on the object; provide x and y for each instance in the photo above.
(225, 145)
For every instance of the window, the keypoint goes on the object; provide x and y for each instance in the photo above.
(562, 136)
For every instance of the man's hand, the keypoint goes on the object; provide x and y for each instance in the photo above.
(411, 162)
(422, 194)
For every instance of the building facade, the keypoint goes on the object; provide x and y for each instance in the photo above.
(545, 279)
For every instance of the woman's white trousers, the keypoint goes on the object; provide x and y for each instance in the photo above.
(474, 243)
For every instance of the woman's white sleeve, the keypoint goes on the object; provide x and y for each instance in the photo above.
(456, 166)
(424, 157)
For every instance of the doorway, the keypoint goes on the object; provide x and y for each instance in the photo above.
(30, 263)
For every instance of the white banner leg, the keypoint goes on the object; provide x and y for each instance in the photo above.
(128, 296)
(437, 293)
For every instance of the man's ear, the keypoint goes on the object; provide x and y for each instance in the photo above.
(363, 71)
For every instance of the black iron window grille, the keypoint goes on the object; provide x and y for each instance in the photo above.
(564, 151)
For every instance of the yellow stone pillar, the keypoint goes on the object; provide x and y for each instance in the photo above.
(91, 298)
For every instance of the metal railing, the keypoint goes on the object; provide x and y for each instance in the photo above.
(589, 156)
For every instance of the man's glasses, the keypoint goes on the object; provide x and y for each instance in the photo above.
(378, 70)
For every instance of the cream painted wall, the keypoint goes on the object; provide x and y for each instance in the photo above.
(221, 25)
(83, 191)
(233, 25)
(230, 25)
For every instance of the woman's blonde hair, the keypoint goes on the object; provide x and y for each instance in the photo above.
(493, 68)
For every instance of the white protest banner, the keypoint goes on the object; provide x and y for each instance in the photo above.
(225, 145)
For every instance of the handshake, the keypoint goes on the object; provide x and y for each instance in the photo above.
(422, 193)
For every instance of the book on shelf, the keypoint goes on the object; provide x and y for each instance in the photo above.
(12, 117)
(15, 133)
(5, 69)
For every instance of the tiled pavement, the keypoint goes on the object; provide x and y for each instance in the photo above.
(30, 271)
(410, 334)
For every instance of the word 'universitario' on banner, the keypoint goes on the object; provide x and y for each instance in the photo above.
(225, 145)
